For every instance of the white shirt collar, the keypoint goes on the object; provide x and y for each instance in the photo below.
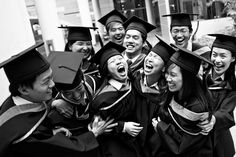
(155, 85)
(221, 76)
(20, 101)
(190, 46)
(126, 57)
(116, 84)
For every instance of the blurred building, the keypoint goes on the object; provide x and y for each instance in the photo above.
(150, 10)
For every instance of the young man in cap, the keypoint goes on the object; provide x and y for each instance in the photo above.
(24, 127)
(113, 21)
(136, 31)
(79, 40)
(181, 30)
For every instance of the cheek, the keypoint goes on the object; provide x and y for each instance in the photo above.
(77, 48)
(111, 68)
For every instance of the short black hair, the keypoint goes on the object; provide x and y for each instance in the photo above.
(14, 88)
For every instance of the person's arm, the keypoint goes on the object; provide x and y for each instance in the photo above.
(222, 119)
(179, 143)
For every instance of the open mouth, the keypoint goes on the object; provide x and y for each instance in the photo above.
(180, 41)
(129, 46)
(121, 69)
(148, 66)
(218, 68)
(120, 37)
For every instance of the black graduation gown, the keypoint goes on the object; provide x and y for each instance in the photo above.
(41, 141)
(121, 105)
(223, 104)
(75, 125)
(172, 141)
(147, 107)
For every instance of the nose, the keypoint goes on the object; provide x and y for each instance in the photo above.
(179, 34)
(85, 47)
(217, 59)
(52, 84)
(129, 40)
(77, 95)
(168, 78)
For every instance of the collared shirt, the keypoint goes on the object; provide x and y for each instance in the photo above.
(149, 89)
(155, 85)
(20, 101)
(116, 84)
(222, 77)
(127, 58)
(190, 46)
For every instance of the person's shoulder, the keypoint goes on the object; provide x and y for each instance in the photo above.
(8, 103)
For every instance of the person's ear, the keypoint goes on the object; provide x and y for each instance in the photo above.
(163, 69)
(233, 59)
(23, 90)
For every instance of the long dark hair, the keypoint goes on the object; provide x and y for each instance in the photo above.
(230, 75)
(192, 88)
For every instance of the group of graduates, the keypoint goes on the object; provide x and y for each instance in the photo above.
(129, 99)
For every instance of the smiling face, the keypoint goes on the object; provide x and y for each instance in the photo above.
(221, 59)
(181, 35)
(153, 64)
(76, 95)
(133, 42)
(84, 47)
(174, 78)
(118, 68)
(116, 32)
(42, 88)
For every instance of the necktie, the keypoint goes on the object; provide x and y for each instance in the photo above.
(129, 61)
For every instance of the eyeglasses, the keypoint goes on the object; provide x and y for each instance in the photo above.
(182, 31)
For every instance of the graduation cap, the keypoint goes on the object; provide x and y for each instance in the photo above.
(25, 65)
(224, 41)
(66, 69)
(187, 59)
(180, 19)
(204, 51)
(79, 33)
(112, 16)
(109, 50)
(138, 24)
(163, 49)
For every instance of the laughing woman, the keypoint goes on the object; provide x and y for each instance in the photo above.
(151, 89)
(221, 84)
(178, 133)
(79, 40)
(115, 99)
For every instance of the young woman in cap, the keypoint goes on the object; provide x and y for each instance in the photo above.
(151, 88)
(115, 99)
(79, 40)
(178, 133)
(221, 85)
